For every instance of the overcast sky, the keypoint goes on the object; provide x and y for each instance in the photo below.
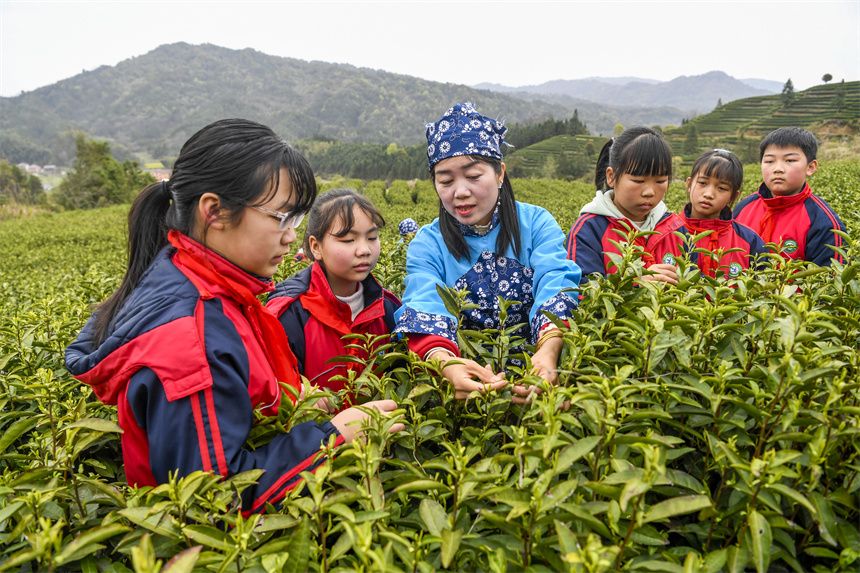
(512, 43)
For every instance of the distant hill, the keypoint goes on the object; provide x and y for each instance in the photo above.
(601, 119)
(741, 124)
(831, 111)
(586, 84)
(147, 106)
(567, 156)
(690, 94)
(766, 85)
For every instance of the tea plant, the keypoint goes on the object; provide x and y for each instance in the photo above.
(713, 426)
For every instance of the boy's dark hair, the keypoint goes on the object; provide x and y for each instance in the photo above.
(509, 223)
(237, 159)
(722, 164)
(333, 206)
(637, 151)
(791, 137)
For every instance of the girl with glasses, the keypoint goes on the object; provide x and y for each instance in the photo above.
(336, 295)
(184, 348)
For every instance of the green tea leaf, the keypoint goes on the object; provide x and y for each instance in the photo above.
(208, 536)
(450, 544)
(760, 535)
(826, 519)
(433, 515)
(97, 424)
(299, 549)
(15, 431)
(574, 452)
(676, 506)
(184, 561)
(88, 542)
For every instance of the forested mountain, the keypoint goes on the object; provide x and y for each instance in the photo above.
(149, 105)
(689, 94)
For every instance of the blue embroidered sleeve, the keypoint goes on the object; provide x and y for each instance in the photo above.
(555, 276)
(423, 311)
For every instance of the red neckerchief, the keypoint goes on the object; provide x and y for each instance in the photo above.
(320, 301)
(774, 204)
(231, 281)
(707, 264)
(623, 227)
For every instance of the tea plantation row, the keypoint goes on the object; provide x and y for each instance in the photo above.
(700, 428)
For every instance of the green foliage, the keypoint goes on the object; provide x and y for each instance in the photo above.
(18, 149)
(151, 104)
(18, 186)
(788, 93)
(365, 160)
(707, 427)
(523, 135)
(744, 122)
(563, 156)
(97, 179)
(691, 143)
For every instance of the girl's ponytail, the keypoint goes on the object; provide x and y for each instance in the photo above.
(602, 164)
(240, 161)
(147, 235)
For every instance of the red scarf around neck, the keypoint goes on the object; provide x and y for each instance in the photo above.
(707, 264)
(267, 329)
(775, 204)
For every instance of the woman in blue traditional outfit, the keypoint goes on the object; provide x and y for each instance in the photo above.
(487, 243)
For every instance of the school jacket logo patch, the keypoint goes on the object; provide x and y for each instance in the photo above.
(735, 269)
(789, 246)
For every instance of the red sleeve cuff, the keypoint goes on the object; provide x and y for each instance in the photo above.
(420, 344)
(549, 325)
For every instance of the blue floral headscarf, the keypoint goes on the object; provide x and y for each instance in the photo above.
(407, 226)
(464, 131)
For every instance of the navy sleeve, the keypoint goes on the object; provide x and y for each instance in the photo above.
(756, 245)
(585, 245)
(209, 430)
(294, 319)
(391, 307)
(821, 236)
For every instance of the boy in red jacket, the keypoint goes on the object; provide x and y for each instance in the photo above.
(784, 210)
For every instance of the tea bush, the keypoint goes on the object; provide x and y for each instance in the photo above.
(713, 426)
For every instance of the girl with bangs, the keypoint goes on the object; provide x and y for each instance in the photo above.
(337, 295)
(727, 247)
(632, 177)
(184, 348)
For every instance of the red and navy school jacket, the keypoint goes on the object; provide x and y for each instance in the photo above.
(736, 245)
(591, 240)
(803, 223)
(186, 374)
(315, 321)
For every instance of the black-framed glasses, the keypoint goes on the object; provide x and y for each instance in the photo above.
(286, 220)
